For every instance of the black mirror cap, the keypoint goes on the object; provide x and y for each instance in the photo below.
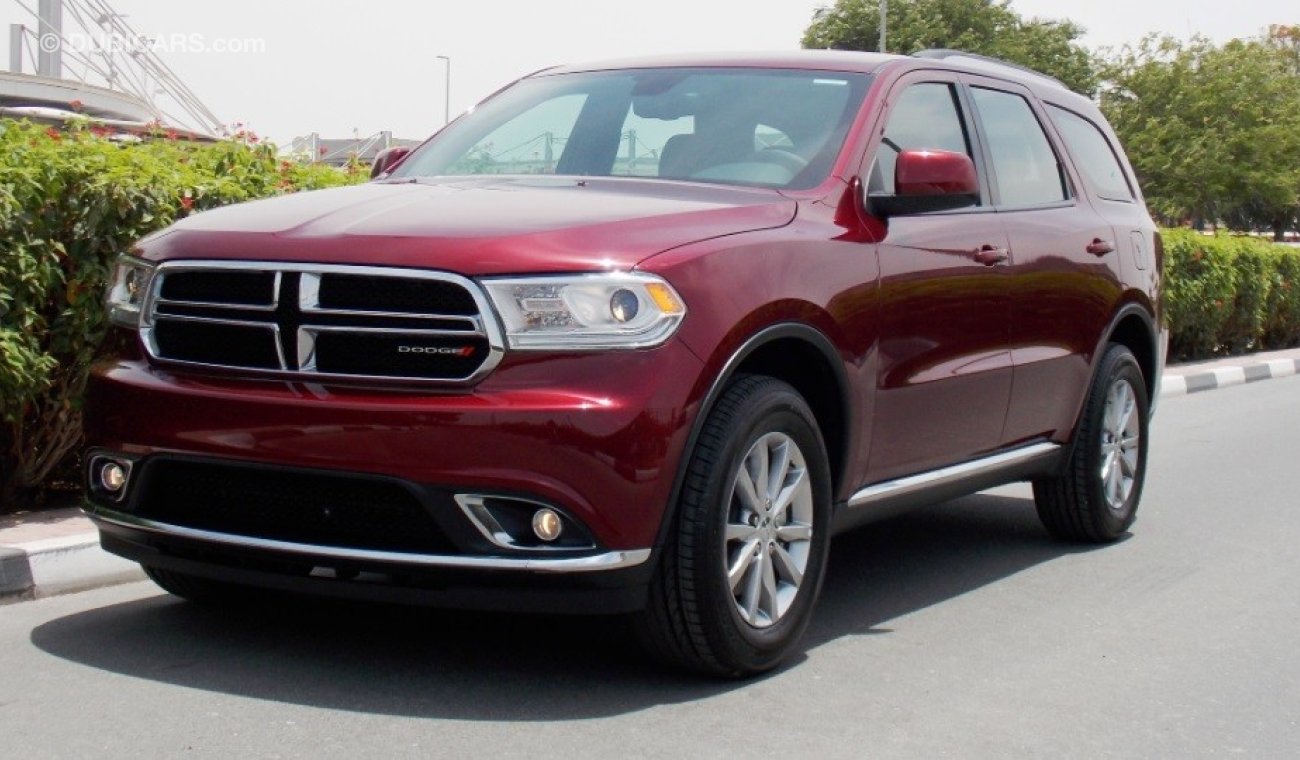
(884, 206)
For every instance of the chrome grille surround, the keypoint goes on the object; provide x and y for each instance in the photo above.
(310, 316)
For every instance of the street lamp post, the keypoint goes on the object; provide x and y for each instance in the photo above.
(446, 108)
(884, 8)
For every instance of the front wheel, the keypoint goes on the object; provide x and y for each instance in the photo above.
(739, 576)
(1096, 499)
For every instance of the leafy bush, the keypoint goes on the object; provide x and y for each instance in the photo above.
(70, 201)
(1282, 315)
(1227, 295)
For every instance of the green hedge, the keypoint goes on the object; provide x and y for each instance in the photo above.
(1229, 295)
(70, 201)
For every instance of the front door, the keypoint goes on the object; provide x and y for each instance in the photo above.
(945, 365)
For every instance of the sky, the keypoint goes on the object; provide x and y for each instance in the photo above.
(290, 67)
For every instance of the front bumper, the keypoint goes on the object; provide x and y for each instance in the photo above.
(599, 436)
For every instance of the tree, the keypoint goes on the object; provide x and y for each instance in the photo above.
(1213, 132)
(987, 27)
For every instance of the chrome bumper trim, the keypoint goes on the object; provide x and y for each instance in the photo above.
(611, 560)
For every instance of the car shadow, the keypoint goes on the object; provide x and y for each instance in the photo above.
(476, 666)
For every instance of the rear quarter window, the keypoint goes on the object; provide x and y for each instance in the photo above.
(1093, 155)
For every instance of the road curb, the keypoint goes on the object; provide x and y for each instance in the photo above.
(60, 564)
(1179, 383)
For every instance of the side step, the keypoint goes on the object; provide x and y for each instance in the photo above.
(880, 500)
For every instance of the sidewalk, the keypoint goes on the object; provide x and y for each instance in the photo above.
(57, 551)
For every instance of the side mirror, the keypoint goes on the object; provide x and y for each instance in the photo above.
(387, 159)
(929, 180)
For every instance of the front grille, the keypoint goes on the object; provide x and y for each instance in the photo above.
(321, 321)
(297, 506)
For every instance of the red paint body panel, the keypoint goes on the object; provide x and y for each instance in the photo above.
(476, 226)
(935, 172)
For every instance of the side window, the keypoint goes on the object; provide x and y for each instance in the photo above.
(1093, 155)
(1027, 170)
(926, 116)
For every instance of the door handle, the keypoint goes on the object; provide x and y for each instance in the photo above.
(1099, 247)
(989, 255)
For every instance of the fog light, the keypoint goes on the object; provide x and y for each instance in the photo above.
(547, 524)
(112, 477)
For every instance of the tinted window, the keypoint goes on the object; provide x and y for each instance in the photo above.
(774, 128)
(1026, 167)
(1092, 154)
(925, 117)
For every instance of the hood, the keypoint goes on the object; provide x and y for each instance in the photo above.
(476, 226)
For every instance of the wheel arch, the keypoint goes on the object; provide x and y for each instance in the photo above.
(804, 357)
(1133, 327)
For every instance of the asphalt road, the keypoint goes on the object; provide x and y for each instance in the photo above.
(958, 631)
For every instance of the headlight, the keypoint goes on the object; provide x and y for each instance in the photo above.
(613, 310)
(127, 290)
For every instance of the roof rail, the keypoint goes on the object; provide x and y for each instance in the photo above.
(989, 63)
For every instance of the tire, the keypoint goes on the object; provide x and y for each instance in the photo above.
(196, 589)
(737, 580)
(1096, 499)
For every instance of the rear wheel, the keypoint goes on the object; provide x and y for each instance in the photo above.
(739, 576)
(1096, 499)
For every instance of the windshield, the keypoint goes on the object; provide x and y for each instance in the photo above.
(755, 127)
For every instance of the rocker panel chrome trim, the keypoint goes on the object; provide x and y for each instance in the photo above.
(946, 475)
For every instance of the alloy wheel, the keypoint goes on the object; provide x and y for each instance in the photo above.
(769, 529)
(1121, 436)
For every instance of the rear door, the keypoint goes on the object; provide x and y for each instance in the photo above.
(1064, 275)
(1111, 189)
(945, 369)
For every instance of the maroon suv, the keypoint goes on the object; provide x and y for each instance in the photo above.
(640, 337)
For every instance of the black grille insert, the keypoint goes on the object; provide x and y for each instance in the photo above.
(241, 288)
(398, 355)
(217, 343)
(297, 506)
(354, 292)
